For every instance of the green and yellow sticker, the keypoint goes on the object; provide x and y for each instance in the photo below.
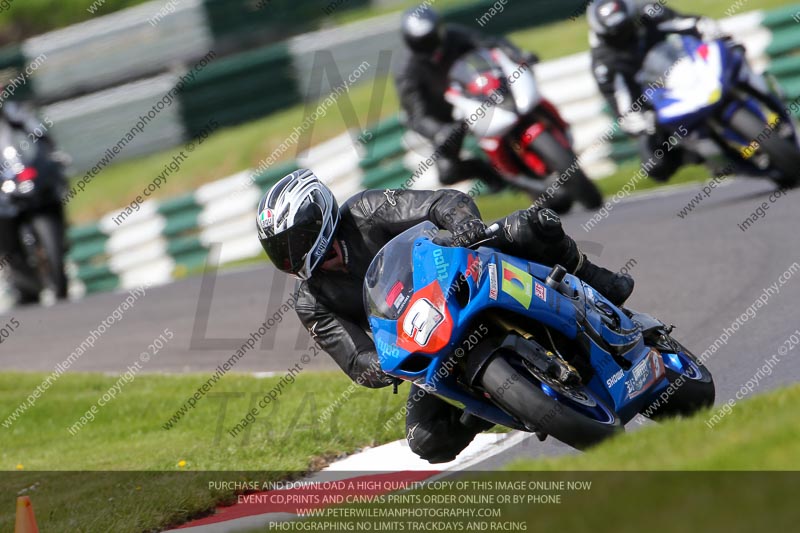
(517, 283)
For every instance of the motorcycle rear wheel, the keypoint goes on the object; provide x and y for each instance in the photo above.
(520, 394)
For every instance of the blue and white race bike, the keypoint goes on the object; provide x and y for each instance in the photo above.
(521, 344)
(729, 116)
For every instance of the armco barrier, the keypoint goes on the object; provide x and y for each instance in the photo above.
(166, 240)
(149, 39)
(785, 66)
(237, 22)
(118, 48)
(362, 41)
(240, 88)
(12, 65)
(87, 127)
(102, 73)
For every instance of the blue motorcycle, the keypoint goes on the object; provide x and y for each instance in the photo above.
(521, 344)
(720, 109)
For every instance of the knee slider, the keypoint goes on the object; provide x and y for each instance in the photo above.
(428, 447)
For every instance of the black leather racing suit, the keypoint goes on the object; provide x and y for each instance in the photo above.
(615, 65)
(421, 82)
(330, 304)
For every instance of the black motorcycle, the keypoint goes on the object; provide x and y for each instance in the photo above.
(32, 184)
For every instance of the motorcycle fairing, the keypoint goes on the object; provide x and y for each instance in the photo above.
(458, 285)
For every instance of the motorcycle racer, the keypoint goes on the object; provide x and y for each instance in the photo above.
(421, 82)
(329, 248)
(621, 32)
(16, 118)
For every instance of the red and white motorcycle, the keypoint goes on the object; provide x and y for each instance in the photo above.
(520, 131)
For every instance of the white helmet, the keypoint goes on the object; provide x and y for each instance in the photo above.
(296, 221)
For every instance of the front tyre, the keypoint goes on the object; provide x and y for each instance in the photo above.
(49, 230)
(783, 154)
(577, 418)
(691, 386)
(563, 162)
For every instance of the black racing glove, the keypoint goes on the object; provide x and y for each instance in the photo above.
(519, 55)
(468, 233)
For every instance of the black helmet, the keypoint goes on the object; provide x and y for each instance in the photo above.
(613, 21)
(422, 30)
(296, 222)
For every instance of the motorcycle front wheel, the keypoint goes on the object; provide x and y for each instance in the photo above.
(575, 416)
(783, 154)
(563, 162)
(49, 231)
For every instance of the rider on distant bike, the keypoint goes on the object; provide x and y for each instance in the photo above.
(621, 32)
(15, 117)
(422, 82)
(305, 233)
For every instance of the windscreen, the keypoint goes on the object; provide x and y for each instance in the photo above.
(660, 60)
(471, 67)
(389, 282)
(480, 78)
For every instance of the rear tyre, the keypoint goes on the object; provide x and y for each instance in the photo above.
(783, 154)
(518, 392)
(560, 160)
(691, 386)
(49, 230)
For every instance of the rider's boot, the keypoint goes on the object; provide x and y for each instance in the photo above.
(536, 234)
(616, 287)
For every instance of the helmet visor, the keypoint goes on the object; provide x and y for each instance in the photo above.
(288, 249)
(425, 44)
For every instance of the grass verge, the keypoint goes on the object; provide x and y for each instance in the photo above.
(127, 434)
(227, 151)
(22, 19)
(680, 475)
(760, 433)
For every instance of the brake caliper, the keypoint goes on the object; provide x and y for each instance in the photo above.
(556, 368)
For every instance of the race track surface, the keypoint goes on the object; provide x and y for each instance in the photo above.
(699, 273)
